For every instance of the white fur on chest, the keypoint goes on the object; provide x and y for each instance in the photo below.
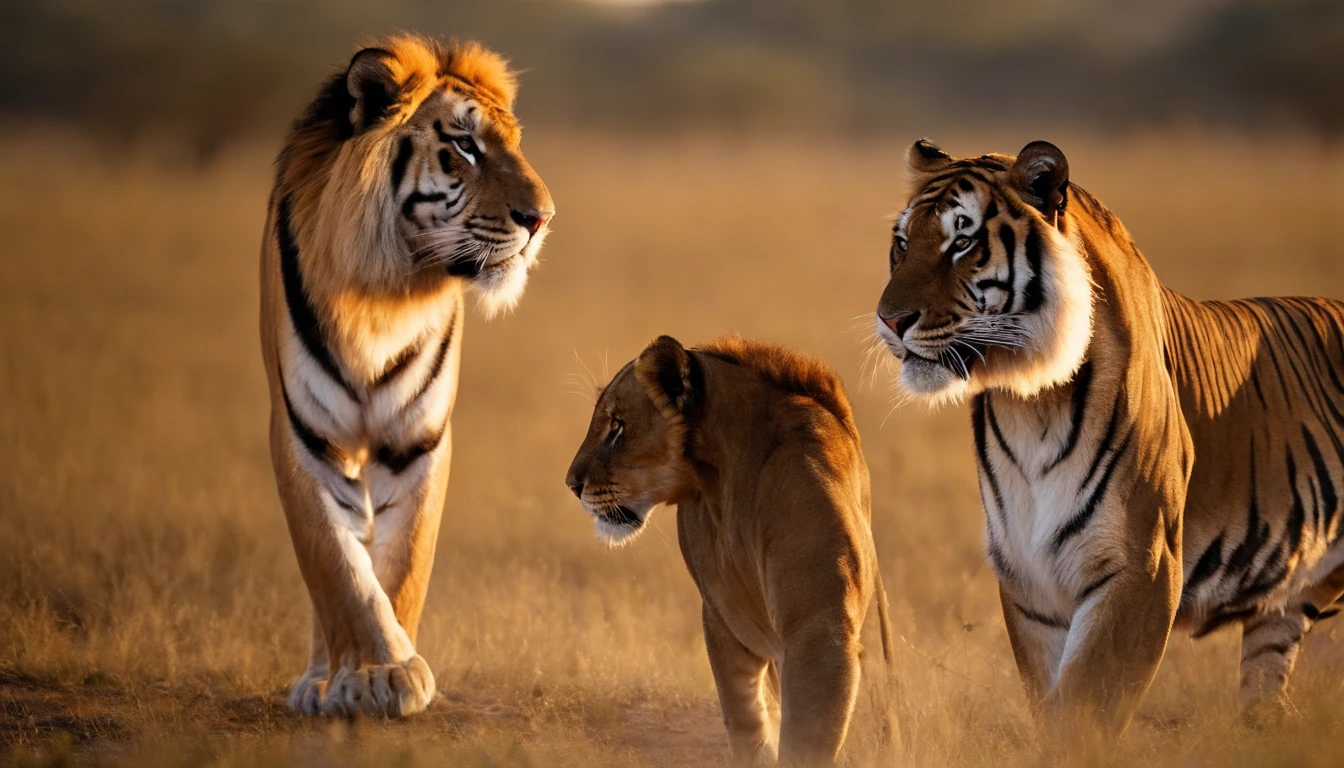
(368, 411)
(1041, 493)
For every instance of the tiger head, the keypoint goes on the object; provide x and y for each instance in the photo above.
(987, 287)
(409, 163)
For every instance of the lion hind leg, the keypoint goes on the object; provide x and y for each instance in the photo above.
(820, 682)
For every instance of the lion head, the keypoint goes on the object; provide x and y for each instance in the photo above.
(634, 456)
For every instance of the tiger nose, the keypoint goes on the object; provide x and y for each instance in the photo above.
(532, 220)
(900, 322)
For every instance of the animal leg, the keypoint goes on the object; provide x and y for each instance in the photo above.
(1116, 640)
(741, 677)
(819, 681)
(1038, 643)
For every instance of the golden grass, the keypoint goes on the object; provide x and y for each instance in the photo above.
(150, 607)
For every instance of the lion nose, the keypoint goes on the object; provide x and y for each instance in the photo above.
(532, 220)
(575, 484)
(901, 322)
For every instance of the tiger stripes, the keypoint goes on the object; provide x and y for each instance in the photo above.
(401, 186)
(1172, 462)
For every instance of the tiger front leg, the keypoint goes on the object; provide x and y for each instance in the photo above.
(1037, 641)
(1115, 642)
(374, 669)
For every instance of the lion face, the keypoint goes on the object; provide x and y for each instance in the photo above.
(633, 457)
(985, 290)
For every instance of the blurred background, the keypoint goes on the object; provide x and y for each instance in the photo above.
(717, 165)
(211, 72)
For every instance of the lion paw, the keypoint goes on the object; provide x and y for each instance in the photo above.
(389, 690)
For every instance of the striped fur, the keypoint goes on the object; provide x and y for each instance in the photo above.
(401, 185)
(1181, 464)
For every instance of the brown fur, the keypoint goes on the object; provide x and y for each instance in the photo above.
(789, 371)
(361, 338)
(756, 447)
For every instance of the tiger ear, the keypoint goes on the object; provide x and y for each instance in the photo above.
(374, 87)
(671, 377)
(924, 160)
(925, 157)
(1041, 178)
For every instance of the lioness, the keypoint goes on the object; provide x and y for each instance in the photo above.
(757, 448)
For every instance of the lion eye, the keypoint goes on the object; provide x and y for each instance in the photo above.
(615, 429)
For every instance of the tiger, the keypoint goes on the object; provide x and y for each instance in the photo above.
(757, 447)
(401, 184)
(1147, 462)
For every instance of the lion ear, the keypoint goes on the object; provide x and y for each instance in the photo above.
(671, 376)
(373, 85)
(1040, 176)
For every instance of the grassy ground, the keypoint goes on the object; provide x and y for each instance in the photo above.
(150, 607)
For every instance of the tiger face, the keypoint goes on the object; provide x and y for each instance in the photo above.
(431, 176)
(986, 288)
(466, 199)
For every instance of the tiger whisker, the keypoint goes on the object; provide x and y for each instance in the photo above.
(970, 347)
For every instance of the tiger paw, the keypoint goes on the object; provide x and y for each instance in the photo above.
(387, 690)
(308, 692)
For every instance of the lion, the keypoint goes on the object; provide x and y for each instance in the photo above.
(757, 448)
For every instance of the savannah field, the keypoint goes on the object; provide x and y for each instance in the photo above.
(151, 611)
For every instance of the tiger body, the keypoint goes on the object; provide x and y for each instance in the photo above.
(401, 186)
(1261, 387)
(1145, 460)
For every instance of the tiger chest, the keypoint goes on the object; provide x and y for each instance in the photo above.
(373, 418)
(1044, 476)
